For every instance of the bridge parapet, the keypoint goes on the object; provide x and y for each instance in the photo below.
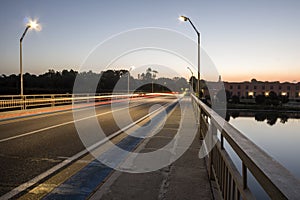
(275, 180)
(15, 102)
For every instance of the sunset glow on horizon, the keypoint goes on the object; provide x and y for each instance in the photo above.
(285, 77)
(245, 40)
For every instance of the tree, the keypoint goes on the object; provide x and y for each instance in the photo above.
(271, 119)
(260, 99)
(193, 82)
(235, 99)
(272, 99)
(180, 83)
(55, 82)
(260, 116)
(284, 98)
(273, 95)
(148, 75)
(108, 80)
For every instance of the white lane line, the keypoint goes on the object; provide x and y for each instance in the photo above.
(53, 113)
(62, 124)
(57, 167)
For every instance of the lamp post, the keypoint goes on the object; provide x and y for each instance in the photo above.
(33, 25)
(128, 88)
(191, 78)
(184, 18)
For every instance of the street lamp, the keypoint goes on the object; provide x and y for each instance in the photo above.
(31, 25)
(184, 18)
(131, 68)
(191, 78)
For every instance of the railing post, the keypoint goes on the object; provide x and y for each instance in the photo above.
(23, 102)
(244, 174)
(200, 123)
(212, 134)
(222, 141)
(52, 101)
(199, 114)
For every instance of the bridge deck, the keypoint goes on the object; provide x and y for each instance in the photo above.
(186, 178)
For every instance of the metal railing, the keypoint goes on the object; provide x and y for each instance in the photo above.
(275, 180)
(14, 102)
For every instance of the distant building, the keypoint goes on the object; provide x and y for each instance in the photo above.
(253, 88)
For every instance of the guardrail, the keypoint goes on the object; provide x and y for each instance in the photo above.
(14, 102)
(275, 180)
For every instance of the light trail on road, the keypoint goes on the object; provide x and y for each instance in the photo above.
(35, 145)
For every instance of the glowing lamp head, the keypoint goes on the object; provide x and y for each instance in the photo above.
(32, 24)
(183, 18)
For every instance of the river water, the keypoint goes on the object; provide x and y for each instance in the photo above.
(276, 133)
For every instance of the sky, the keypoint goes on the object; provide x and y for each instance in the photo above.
(244, 39)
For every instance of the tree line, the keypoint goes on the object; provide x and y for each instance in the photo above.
(60, 82)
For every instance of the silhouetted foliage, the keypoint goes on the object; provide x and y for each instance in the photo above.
(272, 99)
(54, 82)
(260, 99)
(193, 82)
(235, 114)
(273, 95)
(235, 99)
(270, 117)
(284, 98)
(260, 117)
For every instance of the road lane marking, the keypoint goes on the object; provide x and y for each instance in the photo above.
(46, 187)
(55, 112)
(91, 176)
(65, 123)
(64, 163)
(62, 124)
(58, 112)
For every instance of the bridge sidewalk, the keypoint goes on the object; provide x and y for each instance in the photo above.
(186, 178)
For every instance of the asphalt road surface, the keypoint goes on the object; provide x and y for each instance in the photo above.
(30, 146)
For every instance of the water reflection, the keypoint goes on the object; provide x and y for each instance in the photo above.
(276, 133)
(270, 117)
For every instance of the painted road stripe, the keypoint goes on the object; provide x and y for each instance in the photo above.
(62, 124)
(66, 162)
(8, 118)
(82, 184)
(46, 187)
